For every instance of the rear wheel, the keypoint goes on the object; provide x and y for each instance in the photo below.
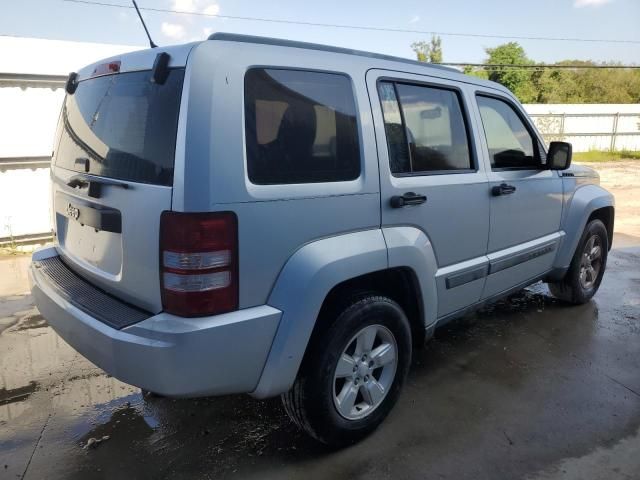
(353, 372)
(583, 278)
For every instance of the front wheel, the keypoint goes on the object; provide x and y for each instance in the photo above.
(353, 372)
(583, 278)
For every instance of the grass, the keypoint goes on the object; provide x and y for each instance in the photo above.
(605, 156)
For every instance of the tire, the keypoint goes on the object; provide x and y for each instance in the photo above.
(582, 280)
(313, 401)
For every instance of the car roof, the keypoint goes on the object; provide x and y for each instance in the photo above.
(450, 71)
(234, 37)
(143, 59)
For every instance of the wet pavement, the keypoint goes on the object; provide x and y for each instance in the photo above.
(528, 388)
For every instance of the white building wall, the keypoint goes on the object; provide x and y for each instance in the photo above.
(28, 119)
(574, 122)
(24, 202)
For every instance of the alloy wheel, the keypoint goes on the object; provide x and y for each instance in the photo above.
(591, 262)
(365, 372)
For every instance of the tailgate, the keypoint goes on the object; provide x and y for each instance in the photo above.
(112, 178)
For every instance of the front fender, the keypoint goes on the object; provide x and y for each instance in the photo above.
(304, 282)
(584, 202)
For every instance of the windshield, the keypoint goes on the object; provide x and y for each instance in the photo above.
(122, 126)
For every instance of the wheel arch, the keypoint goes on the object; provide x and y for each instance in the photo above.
(606, 215)
(588, 202)
(321, 271)
(400, 284)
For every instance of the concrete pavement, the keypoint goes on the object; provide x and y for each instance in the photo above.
(528, 388)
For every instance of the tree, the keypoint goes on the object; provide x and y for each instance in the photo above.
(608, 85)
(518, 80)
(596, 85)
(428, 51)
(557, 86)
(546, 84)
(476, 72)
(436, 49)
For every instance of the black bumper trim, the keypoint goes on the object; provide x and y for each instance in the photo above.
(88, 298)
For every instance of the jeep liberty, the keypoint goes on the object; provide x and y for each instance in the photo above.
(253, 215)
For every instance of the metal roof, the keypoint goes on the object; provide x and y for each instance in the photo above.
(27, 80)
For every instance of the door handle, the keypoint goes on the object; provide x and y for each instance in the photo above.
(409, 198)
(502, 189)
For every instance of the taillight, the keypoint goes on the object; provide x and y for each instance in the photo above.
(199, 263)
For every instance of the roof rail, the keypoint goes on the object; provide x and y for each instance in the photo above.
(234, 37)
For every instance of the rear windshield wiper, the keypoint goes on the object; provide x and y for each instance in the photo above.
(94, 183)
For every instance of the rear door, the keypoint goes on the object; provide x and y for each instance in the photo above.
(430, 176)
(112, 174)
(526, 197)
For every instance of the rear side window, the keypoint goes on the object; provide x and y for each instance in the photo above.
(122, 126)
(425, 128)
(510, 142)
(300, 127)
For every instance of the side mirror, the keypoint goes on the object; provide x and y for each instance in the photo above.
(559, 155)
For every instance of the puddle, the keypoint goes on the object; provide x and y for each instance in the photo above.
(30, 321)
(17, 394)
(618, 461)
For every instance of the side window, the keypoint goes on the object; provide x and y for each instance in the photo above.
(510, 143)
(300, 127)
(425, 129)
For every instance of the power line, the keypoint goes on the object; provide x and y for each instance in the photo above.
(358, 27)
(494, 66)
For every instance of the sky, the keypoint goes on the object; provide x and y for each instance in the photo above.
(594, 19)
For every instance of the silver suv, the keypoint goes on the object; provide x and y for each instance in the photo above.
(250, 215)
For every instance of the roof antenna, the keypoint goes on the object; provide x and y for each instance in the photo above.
(153, 45)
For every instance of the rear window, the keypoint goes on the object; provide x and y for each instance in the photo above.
(300, 127)
(122, 126)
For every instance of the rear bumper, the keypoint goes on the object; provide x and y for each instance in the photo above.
(169, 355)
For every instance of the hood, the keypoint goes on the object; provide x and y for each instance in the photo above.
(583, 171)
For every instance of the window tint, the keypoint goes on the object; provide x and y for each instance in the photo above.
(300, 127)
(425, 129)
(510, 143)
(125, 125)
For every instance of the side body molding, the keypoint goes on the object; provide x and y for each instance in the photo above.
(299, 291)
(585, 200)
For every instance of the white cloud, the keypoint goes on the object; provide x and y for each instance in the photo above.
(187, 27)
(212, 9)
(415, 19)
(590, 3)
(192, 6)
(174, 31)
(184, 5)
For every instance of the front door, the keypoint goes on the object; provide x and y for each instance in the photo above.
(431, 179)
(526, 198)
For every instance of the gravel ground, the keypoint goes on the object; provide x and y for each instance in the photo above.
(623, 180)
